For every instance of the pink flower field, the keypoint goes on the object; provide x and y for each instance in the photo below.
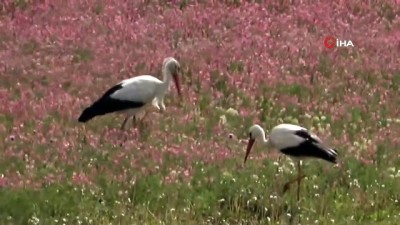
(243, 62)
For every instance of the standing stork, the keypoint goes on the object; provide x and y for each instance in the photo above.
(133, 95)
(294, 141)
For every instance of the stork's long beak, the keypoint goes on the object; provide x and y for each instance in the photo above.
(175, 76)
(248, 150)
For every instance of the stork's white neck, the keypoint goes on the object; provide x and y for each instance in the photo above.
(166, 74)
(164, 85)
(259, 134)
(263, 140)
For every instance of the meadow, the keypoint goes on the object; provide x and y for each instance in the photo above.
(243, 62)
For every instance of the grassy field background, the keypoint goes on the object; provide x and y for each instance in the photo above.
(243, 62)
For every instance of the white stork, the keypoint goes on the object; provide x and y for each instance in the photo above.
(294, 141)
(133, 95)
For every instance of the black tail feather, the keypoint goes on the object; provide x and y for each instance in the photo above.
(311, 149)
(98, 108)
(88, 114)
(330, 155)
(107, 105)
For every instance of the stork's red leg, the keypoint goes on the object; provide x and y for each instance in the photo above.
(141, 125)
(134, 121)
(124, 123)
(299, 178)
(145, 114)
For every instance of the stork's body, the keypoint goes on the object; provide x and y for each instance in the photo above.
(133, 95)
(294, 141)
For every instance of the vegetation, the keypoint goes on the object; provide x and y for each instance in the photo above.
(244, 62)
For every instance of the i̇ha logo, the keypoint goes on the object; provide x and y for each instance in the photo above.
(331, 42)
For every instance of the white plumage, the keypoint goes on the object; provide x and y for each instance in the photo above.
(282, 136)
(133, 95)
(294, 141)
(144, 88)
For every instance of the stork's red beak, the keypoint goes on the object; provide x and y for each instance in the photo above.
(177, 84)
(248, 150)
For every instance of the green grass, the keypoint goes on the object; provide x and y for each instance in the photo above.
(223, 192)
(82, 55)
(38, 168)
(356, 193)
(29, 47)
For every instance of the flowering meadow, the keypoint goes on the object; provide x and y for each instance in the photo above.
(243, 62)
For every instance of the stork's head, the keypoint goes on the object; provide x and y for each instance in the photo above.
(172, 68)
(256, 133)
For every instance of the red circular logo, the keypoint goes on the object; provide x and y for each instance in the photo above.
(330, 42)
